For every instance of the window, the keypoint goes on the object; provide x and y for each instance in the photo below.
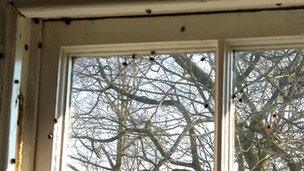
(269, 116)
(170, 92)
(152, 112)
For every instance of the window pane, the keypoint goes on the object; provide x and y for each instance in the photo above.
(269, 109)
(142, 113)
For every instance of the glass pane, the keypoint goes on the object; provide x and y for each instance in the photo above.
(152, 112)
(269, 110)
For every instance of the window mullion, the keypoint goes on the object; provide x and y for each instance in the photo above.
(224, 118)
(218, 111)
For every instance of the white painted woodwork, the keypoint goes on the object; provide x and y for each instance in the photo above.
(96, 37)
(16, 36)
(8, 87)
(93, 37)
(31, 88)
(103, 8)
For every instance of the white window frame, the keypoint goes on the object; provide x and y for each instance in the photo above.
(247, 44)
(46, 92)
(69, 52)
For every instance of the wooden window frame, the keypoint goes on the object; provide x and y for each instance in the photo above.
(55, 39)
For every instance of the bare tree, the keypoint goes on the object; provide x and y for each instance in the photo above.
(157, 112)
(269, 125)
